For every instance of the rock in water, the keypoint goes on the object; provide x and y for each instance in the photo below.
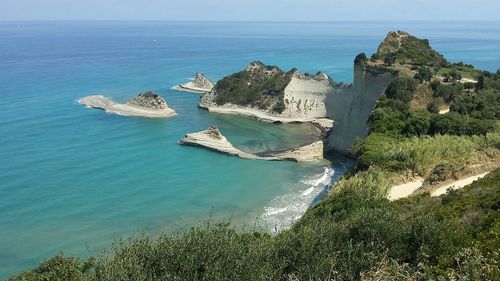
(147, 104)
(200, 84)
(212, 139)
(200, 81)
(149, 100)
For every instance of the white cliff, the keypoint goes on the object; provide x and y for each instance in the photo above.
(350, 106)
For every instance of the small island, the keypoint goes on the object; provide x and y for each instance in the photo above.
(269, 94)
(147, 104)
(199, 85)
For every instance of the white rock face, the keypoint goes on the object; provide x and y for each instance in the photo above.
(144, 105)
(200, 84)
(305, 96)
(212, 139)
(350, 106)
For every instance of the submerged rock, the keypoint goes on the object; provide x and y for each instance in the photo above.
(212, 139)
(146, 104)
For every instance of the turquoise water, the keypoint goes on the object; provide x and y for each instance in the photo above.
(73, 179)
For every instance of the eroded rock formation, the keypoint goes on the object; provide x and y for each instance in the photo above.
(212, 139)
(147, 104)
(200, 84)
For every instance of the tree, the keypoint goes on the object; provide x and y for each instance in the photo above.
(360, 59)
(417, 125)
(424, 74)
(390, 59)
(455, 75)
(401, 88)
(480, 82)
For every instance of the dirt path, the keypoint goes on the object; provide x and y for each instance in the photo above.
(456, 184)
(405, 190)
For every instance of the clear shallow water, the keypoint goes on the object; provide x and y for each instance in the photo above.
(72, 179)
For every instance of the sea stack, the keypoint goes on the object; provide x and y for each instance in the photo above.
(200, 84)
(147, 104)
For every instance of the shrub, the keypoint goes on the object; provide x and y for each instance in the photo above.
(401, 88)
(417, 125)
(424, 74)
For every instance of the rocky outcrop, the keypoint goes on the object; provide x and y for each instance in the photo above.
(148, 100)
(147, 104)
(200, 84)
(268, 94)
(212, 139)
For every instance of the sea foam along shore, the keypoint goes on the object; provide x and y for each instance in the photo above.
(212, 139)
(128, 109)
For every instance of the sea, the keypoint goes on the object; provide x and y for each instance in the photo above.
(75, 179)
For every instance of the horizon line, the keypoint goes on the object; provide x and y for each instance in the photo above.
(242, 21)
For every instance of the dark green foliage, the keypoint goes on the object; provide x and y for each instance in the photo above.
(262, 87)
(484, 105)
(389, 59)
(408, 49)
(387, 120)
(424, 74)
(447, 91)
(453, 123)
(58, 268)
(443, 172)
(360, 59)
(417, 124)
(452, 76)
(401, 88)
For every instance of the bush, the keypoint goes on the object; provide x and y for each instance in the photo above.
(360, 59)
(424, 74)
(447, 92)
(401, 88)
(443, 172)
(417, 125)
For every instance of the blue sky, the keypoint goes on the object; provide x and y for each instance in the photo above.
(250, 10)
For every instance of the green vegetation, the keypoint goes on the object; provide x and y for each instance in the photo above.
(259, 86)
(349, 236)
(404, 48)
(355, 233)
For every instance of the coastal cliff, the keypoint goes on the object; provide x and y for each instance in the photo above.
(350, 106)
(269, 94)
(146, 104)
